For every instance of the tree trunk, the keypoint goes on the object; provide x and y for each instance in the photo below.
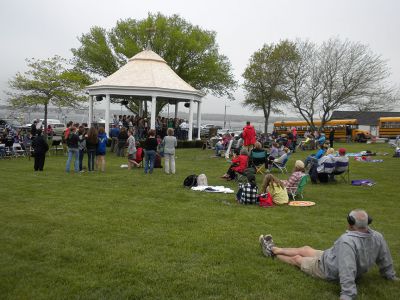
(266, 117)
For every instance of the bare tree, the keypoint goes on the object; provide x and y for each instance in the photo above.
(335, 75)
(349, 72)
(304, 85)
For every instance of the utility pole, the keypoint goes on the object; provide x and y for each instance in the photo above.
(225, 115)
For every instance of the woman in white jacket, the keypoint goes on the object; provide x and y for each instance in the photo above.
(169, 143)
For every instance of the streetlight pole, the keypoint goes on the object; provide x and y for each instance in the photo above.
(225, 115)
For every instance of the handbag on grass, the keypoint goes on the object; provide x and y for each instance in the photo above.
(265, 200)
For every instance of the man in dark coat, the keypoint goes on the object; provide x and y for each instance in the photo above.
(40, 148)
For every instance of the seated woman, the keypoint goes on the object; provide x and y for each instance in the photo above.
(280, 159)
(294, 179)
(326, 165)
(239, 164)
(248, 192)
(257, 155)
(315, 157)
(276, 189)
(274, 152)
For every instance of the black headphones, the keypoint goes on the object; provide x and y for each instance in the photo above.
(352, 221)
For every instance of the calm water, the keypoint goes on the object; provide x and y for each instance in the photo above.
(235, 125)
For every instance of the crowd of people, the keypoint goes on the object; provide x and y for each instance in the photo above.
(321, 166)
(141, 126)
(80, 140)
(352, 255)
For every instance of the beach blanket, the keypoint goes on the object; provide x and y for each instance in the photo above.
(362, 182)
(213, 189)
(353, 154)
(368, 159)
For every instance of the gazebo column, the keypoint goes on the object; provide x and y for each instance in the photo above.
(140, 108)
(153, 112)
(198, 119)
(176, 109)
(190, 121)
(107, 117)
(90, 111)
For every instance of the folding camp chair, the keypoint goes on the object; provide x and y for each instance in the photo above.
(242, 177)
(258, 160)
(298, 191)
(344, 175)
(56, 145)
(17, 150)
(281, 166)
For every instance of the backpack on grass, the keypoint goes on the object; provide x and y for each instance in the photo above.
(202, 180)
(190, 181)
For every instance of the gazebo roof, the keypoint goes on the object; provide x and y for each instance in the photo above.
(146, 71)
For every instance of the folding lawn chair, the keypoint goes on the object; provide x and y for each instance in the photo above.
(281, 166)
(17, 150)
(295, 191)
(345, 174)
(258, 161)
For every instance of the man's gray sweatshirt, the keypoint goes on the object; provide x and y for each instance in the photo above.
(352, 255)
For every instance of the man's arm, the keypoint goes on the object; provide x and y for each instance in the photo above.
(385, 262)
(347, 271)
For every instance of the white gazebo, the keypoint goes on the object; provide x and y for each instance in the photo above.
(148, 77)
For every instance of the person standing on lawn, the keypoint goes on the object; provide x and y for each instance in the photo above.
(169, 142)
(73, 149)
(249, 136)
(352, 255)
(331, 137)
(150, 149)
(101, 150)
(40, 148)
(91, 145)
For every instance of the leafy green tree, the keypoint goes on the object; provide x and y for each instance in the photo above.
(189, 50)
(264, 78)
(48, 82)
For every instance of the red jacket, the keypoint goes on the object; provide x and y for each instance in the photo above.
(242, 161)
(249, 135)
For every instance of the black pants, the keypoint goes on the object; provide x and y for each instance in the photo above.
(39, 162)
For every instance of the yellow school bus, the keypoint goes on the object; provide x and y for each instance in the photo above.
(339, 125)
(389, 127)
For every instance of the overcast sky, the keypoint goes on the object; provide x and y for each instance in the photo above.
(43, 28)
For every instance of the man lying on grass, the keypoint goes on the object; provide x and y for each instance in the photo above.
(352, 255)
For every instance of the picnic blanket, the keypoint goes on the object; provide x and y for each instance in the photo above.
(213, 189)
(368, 159)
(363, 182)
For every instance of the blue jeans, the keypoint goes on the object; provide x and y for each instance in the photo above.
(217, 149)
(149, 158)
(91, 155)
(73, 152)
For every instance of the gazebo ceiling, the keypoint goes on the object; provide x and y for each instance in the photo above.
(146, 74)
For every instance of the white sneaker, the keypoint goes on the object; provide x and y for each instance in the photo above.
(266, 244)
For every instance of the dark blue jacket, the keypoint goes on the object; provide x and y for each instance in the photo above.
(101, 146)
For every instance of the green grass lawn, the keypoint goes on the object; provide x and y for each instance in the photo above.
(126, 235)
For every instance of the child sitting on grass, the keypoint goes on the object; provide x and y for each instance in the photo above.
(248, 192)
(276, 189)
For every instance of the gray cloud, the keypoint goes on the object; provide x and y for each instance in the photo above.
(43, 28)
